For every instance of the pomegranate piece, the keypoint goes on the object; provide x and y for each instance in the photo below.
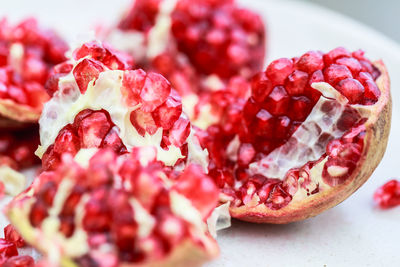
(308, 136)
(28, 52)
(231, 37)
(388, 195)
(131, 203)
(122, 109)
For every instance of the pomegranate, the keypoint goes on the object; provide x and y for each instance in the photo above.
(388, 195)
(312, 132)
(99, 102)
(12, 235)
(101, 209)
(27, 52)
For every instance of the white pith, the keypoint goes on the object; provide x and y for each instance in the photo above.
(16, 57)
(106, 94)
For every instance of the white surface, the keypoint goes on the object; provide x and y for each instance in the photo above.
(352, 234)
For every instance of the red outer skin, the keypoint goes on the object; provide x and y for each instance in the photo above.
(375, 142)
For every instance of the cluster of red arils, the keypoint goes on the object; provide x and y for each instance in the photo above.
(111, 210)
(27, 53)
(308, 132)
(388, 195)
(9, 249)
(194, 44)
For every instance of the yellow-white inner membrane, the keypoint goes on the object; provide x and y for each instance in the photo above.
(304, 145)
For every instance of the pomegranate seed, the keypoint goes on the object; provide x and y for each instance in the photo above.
(261, 87)
(300, 108)
(86, 71)
(352, 89)
(310, 62)
(388, 195)
(335, 54)
(179, 132)
(279, 70)
(93, 129)
(10, 234)
(278, 101)
(197, 187)
(7, 250)
(143, 122)
(264, 124)
(169, 112)
(133, 83)
(155, 91)
(335, 73)
(351, 63)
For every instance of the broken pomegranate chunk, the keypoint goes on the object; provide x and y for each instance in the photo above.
(20, 261)
(28, 53)
(388, 195)
(119, 109)
(132, 205)
(308, 136)
(200, 46)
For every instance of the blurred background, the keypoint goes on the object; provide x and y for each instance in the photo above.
(380, 15)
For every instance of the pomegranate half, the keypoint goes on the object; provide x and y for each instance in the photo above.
(312, 132)
(101, 209)
(27, 53)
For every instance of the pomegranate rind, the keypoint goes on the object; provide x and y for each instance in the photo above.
(377, 128)
(13, 114)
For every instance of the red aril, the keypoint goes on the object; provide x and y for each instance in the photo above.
(115, 108)
(312, 132)
(10, 234)
(388, 195)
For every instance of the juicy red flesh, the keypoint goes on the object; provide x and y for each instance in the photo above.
(281, 100)
(109, 218)
(10, 234)
(7, 250)
(388, 195)
(219, 37)
(17, 147)
(22, 80)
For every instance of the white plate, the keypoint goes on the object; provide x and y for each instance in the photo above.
(352, 234)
